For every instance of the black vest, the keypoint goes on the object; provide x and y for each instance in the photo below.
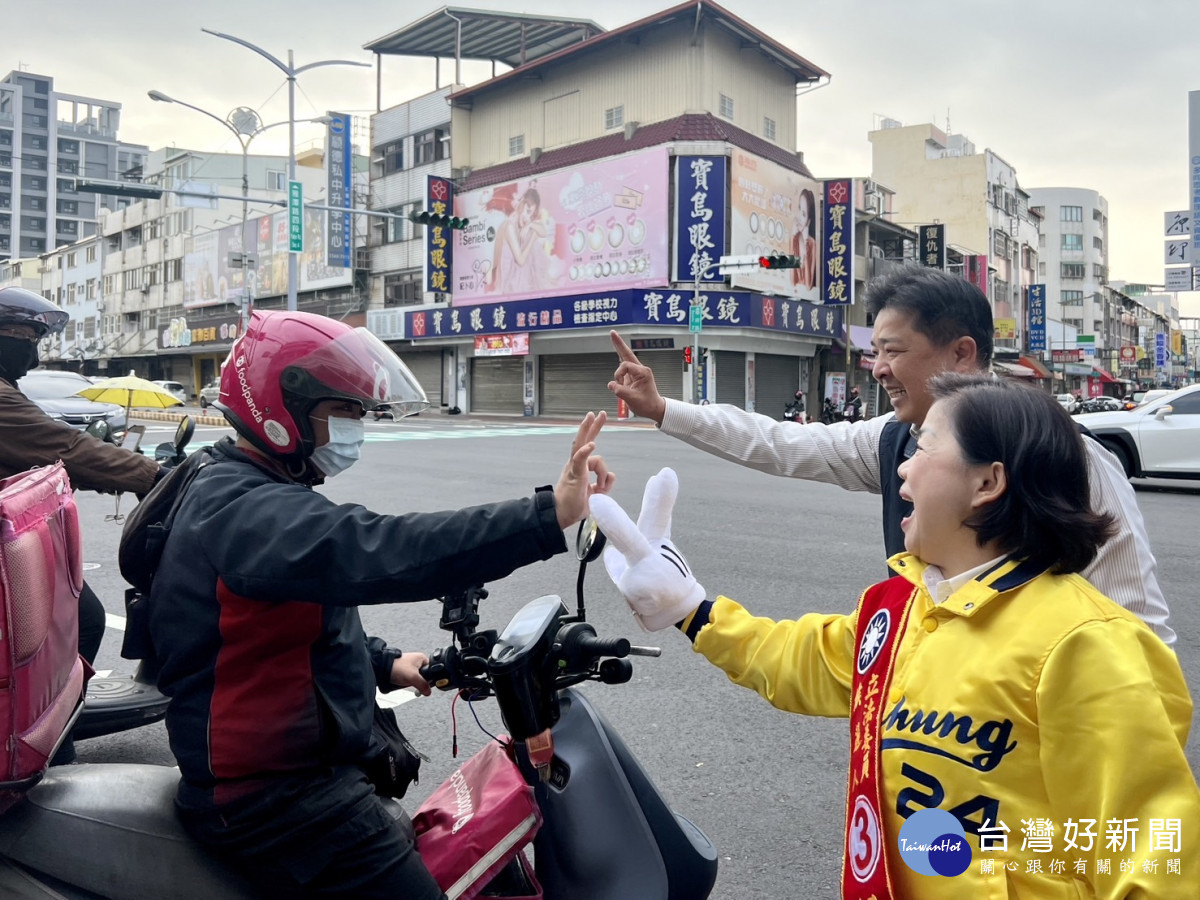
(896, 444)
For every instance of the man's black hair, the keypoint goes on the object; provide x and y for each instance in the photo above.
(944, 307)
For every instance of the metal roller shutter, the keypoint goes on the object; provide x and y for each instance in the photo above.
(427, 367)
(731, 377)
(574, 384)
(776, 380)
(498, 385)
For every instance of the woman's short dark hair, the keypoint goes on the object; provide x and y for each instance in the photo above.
(1045, 513)
(944, 307)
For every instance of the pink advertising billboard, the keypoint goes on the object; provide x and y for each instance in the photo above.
(774, 210)
(595, 227)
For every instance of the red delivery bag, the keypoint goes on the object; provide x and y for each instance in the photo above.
(42, 676)
(476, 821)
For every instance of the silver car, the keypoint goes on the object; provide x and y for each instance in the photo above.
(55, 393)
(210, 393)
(175, 389)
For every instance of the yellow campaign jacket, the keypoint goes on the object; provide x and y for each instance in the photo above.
(1041, 708)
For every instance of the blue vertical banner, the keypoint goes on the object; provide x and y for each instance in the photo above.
(1037, 317)
(837, 258)
(1160, 350)
(699, 216)
(339, 241)
(439, 249)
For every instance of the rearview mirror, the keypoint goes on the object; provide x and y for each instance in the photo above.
(1163, 411)
(99, 429)
(183, 434)
(590, 541)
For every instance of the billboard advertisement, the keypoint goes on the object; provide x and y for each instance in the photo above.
(338, 155)
(773, 210)
(211, 275)
(598, 226)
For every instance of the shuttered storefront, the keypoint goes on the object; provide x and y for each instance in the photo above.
(574, 384)
(731, 377)
(427, 367)
(776, 380)
(498, 384)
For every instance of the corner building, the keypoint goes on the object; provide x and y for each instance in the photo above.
(601, 174)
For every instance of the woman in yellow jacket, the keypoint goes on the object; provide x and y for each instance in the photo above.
(1014, 733)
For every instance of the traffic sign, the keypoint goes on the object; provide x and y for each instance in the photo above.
(696, 318)
(295, 217)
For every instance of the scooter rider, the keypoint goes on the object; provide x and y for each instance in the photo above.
(253, 610)
(29, 437)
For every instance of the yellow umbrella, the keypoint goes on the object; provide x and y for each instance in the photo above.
(129, 391)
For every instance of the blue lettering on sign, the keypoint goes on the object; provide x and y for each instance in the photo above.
(991, 737)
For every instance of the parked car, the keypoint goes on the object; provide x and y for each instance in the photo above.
(1067, 401)
(55, 393)
(1158, 439)
(175, 389)
(1143, 397)
(210, 393)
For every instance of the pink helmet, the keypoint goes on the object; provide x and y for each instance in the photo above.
(287, 362)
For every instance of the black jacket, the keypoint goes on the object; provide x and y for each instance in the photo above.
(253, 614)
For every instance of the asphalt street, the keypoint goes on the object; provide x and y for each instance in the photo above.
(767, 787)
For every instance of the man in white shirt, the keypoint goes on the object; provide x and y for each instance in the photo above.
(926, 321)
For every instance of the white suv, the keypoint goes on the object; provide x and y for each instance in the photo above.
(1159, 439)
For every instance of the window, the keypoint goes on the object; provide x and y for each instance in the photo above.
(393, 230)
(1072, 242)
(614, 117)
(1097, 216)
(1001, 244)
(68, 167)
(1042, 269)
(1074, 323)
(725, 107)
(402, 288)
(90, 253)
(768, 128)
(132, 279)
(516, 145)
(174, 269)
(91, 289)
(391, 157)
(1098, 272)
(1072, 298)
(1098, 244)
(1073, 270)
(429, 147)
(72, 259)
(1070, 214)
(276, 181)
(65, 146)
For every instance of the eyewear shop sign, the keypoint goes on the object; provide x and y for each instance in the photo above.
(177, 333)
(730, 309)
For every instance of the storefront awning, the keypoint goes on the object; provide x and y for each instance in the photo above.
(1105, 377)
(1035, 364)
(1017, 371)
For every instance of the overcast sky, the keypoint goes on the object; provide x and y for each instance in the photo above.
(1071, 93)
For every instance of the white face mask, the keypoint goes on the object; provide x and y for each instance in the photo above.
(344, 448)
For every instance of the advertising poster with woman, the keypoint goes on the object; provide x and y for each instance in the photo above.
(599, 226)
(775, 211)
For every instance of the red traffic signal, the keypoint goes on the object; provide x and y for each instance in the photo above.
(687, 356)
(779, 261)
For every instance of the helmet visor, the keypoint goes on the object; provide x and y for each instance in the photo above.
(357, 366)
(27, 308)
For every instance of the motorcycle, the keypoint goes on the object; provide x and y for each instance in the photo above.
(793, 412)
(109, 830)
(120, 702)
(829, 413)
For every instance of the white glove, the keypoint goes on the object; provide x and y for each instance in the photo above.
(646, 567)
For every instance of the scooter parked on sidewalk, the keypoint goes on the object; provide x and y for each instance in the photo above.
(119, 702)
(110, 831)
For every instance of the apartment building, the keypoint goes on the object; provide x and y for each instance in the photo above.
(47, 140)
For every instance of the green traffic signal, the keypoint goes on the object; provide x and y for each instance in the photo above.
(425, 217)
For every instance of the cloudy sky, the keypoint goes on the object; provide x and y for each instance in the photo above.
(1071, 93)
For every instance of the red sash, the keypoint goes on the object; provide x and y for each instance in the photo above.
(882, 617)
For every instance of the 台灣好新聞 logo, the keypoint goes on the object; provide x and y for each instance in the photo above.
(932, 842)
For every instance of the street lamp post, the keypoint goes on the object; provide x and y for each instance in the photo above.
(291, 71)
(246, 126)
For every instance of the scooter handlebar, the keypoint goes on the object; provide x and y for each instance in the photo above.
(598, 646)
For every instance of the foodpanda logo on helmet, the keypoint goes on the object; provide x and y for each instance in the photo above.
(239, 366)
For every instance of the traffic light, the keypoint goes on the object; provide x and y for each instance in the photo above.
(687, 356)
(425, 217)
(779, 261)
(135, 189)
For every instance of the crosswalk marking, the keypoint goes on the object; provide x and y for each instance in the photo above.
(467, 433)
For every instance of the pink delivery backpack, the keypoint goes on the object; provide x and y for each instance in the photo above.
(42, 676)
